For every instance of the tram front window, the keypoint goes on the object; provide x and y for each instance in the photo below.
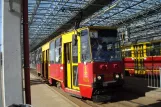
(103, 46)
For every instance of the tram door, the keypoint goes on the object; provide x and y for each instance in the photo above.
(45, 64)
(42, 64)
(67, 63)
(71, 65)
(139, 54)
(75, 66)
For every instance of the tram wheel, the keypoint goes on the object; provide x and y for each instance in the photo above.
(58, 84)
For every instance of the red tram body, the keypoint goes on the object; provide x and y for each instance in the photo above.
(83, 62)
(142, 59)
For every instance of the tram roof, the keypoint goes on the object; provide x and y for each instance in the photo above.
(49, 18)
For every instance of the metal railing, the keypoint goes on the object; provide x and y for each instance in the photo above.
(154, 80)
(151, 73)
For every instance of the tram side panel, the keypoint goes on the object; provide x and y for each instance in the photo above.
(129, 66)
(38, 68)
(56, 68)
(127, 54)
(86, 78)
(152, 64)
(146, 58)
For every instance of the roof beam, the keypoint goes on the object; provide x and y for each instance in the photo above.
(87, 11)
(35, 10)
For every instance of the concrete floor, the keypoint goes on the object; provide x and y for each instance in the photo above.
(134, 94)
(44, 96)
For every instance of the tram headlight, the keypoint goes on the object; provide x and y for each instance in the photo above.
(117, 76)
(122, 76)
(99, 77)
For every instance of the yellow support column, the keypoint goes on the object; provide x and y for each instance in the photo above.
(139, 57)
(145, 55)
(144, 51)
(132, 51)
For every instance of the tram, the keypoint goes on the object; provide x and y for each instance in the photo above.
(142, 58)
(84, 62)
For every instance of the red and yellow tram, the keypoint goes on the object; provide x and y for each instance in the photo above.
(83, 62)
(142, 58)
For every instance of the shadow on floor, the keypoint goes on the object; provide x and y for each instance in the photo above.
(36, 82)
(134, 88)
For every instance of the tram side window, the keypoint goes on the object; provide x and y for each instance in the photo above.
(156, 49)
(128, 53)
(40, 56)
(149, 50)
(33, 58)
(85, 49)
(75, 53)
(58, 51)
(52, 52)
(37, 58)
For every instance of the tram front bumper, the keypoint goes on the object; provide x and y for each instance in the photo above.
(108, 84)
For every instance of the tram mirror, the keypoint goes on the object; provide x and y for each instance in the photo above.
(74, 39)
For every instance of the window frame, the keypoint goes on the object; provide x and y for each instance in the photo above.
(73, 50)
(90, 53)
(58, 47)
(53, 41)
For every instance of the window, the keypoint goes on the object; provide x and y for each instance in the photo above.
(128, 53)
(75, 76)
(85, 49)
(38, 56)
(51, 52)
(149, 50)
(156, 49)
(75, 52)
(104, 46)
(58, 50)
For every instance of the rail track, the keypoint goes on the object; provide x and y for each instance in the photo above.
(123, 98)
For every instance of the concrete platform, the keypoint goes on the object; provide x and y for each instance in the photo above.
(154, 94)
(43, 95)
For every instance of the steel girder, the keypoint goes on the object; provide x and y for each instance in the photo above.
(138, 18)
(45, 16)
(61, 16)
